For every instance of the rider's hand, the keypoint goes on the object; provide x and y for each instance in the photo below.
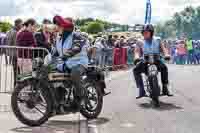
(136, 61)
(92, 61)
(66, 56)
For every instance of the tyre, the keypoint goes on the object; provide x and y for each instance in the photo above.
(155, 90)
(32, 100)
(93, 93)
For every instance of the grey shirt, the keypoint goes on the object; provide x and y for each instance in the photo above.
(11, 37)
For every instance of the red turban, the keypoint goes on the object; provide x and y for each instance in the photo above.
(66, 24)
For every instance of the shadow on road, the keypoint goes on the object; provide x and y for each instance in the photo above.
(99, 121)
(50, 127)
(59, 125)
(163, 106)
(22, 130)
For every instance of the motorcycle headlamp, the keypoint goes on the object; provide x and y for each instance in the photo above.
(37, 62)
(152, 70)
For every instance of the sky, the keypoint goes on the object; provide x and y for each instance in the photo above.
(120, 11)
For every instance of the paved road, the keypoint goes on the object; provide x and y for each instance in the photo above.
(122, 113)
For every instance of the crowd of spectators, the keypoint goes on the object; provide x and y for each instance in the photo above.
(185, 51)
(104, 49)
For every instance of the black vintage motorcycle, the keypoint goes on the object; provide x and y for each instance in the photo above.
(150, 78)
(46, 92)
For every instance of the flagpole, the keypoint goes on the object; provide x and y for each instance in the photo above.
(148, 12)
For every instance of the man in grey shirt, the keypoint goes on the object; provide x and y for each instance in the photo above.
(11, 41)
(12, 34)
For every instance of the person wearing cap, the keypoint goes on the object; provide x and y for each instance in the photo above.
(150, 45)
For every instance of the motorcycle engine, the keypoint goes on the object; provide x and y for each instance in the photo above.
(58, 85)
(64, 92)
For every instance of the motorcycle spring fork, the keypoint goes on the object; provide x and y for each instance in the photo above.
(146, 85)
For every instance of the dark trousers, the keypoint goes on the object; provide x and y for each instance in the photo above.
(76, 73)
(142, 68)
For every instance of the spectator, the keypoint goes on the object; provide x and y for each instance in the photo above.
(3, 42)
(43, 38)
(198, 49)
(196, 52)
(181, 52)
(116, 41)
(26, 38)
(173, 54)
(11, 41)
(110, 41)
(131, 42)
(12, 34)
(189, 45)
(2, 38)
(97, 50)
(123, 41)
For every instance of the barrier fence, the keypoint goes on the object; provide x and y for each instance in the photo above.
(15, 62)
(118, 58)
(115, 59)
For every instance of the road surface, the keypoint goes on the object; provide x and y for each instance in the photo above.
(122, 113)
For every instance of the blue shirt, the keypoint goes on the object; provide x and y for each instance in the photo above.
(79, 59)
(152, 46)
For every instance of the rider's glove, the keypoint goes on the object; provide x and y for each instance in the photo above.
(92, 61)
(137, 61)
(66, 56)
(167, 58)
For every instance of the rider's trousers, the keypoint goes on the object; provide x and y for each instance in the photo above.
(142, 68)
(76, 73)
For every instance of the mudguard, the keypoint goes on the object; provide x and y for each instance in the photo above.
(25, 77)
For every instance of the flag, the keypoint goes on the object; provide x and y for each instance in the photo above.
(148, 12)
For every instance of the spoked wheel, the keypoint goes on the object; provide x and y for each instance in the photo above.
(32, 107)
(93, 102)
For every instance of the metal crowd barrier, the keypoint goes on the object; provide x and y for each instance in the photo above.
(16, 61)
(114, 58)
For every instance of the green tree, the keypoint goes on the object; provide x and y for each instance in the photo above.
(5, 26)
(83, 28)
(186, 22)
(95, 27)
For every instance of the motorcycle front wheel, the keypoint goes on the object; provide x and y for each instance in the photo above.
(93, 102)
(155, 90)
(31, 107)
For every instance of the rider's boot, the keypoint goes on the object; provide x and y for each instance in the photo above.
(166, 91)
(106, 92)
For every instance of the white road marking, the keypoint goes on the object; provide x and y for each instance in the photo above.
(127, 125)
